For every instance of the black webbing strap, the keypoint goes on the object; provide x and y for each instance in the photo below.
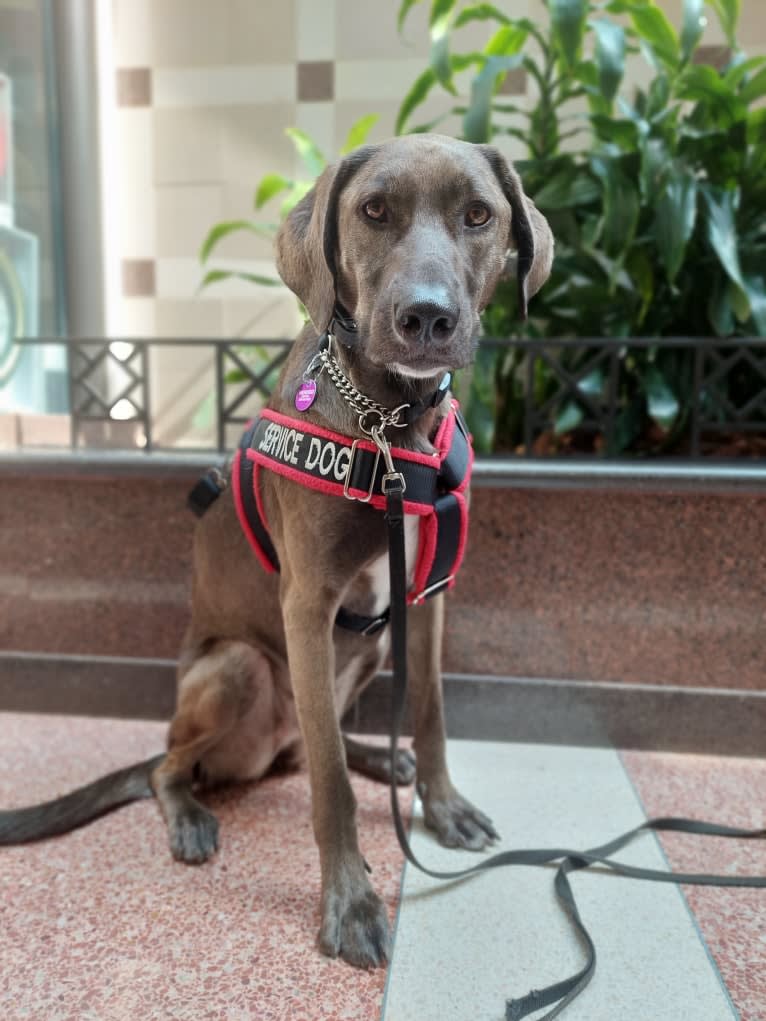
(561, 993)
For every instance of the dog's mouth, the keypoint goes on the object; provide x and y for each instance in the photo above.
(427, 371)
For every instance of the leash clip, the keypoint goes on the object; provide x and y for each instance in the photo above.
(393, 481)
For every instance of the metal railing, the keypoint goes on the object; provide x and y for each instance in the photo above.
(531, 389)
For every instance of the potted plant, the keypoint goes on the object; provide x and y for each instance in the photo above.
(656, 201)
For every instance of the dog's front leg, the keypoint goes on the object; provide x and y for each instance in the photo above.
(354, 923)
(456, 822)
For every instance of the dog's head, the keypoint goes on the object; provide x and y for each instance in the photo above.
(412, 236)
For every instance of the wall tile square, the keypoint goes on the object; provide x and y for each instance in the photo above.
(134, 86)
(315, 30)
(262, 31)
(315, 80)
(185, 214)
(188, 146)
(138, 278)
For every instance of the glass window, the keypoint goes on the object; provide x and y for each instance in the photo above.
(32, 378)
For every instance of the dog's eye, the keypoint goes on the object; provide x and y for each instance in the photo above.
(375, 209)
(477, 215)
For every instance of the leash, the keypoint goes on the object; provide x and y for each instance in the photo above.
(560, 994)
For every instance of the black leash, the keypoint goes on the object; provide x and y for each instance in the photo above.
(561, 993)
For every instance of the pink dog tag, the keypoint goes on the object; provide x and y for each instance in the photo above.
(306, 395)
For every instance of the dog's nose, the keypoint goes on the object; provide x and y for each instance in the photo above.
(426, 319)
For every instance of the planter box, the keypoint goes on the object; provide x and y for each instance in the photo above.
(598, 588)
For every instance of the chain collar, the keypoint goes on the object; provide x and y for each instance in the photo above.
(373, 418)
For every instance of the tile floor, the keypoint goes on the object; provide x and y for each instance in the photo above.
(101, 925)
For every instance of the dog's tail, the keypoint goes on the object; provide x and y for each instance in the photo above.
(22, 825)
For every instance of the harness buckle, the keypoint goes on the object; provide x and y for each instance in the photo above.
(393, 482)
(347, 481)
(432, 590)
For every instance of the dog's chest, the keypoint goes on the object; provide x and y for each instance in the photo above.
(376, 574)
(371, 595)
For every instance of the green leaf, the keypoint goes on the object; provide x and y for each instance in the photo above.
(567, 189)
(222, 230)
(704, 84)
(756, 126)
(439, 60)
(655, 165)
(592, 385)
(623, 133)
(440, 12)
(656, 31)
(641, 270)
(568, 25)
(296, 193)
(269, 186)
(308, 151)
(693, 26)
(755, 88)
(728, 12)
(404, 10)
(481, 12)
(723, 237)
(508, 40)
(662, 403)
(722, 230)
(570, 416)
(359, 131)
(439, 23)
(214, 276)
(477, 394)
(417, 94)
(610, 56)
(756, 292)
(676, 215)
(477, 121)
(621, 206)
(719, 310)
(737, 71)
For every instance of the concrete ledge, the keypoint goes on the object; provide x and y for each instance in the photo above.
(489, 472)
(479, 707)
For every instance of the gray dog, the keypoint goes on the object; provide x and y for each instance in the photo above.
(400, 245)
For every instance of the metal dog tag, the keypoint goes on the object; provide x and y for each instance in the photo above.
(306, 394)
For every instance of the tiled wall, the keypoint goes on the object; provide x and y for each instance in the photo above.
(205, 90)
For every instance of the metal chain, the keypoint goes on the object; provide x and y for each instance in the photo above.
(364, 406)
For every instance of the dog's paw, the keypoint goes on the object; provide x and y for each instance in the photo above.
(455, 821)
(193, 835)
(355, 927)
(375, 762)
(405, 767)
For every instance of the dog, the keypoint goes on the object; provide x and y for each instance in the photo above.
(400, 246)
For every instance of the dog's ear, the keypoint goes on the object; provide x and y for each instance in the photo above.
(531, 235)
(307, 242)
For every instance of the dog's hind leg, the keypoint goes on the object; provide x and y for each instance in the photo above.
(214, 693)
(375, 761)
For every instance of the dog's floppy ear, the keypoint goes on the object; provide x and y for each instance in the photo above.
(532, 236)
(307, 241)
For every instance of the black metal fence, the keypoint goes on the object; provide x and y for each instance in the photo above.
(603, 398)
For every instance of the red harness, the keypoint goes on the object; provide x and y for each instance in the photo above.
(339, 466)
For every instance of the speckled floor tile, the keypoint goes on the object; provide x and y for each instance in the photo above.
(733, 922)
(102, 925)
(460, 951)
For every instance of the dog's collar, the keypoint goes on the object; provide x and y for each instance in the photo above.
(343, 325)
